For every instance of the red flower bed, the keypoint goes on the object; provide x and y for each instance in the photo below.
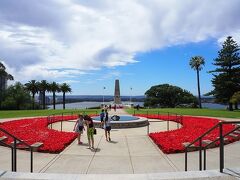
(36, 130)
(192, 127)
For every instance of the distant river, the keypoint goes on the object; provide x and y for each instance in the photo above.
(214, 106)
(86, 104)
(89, 104)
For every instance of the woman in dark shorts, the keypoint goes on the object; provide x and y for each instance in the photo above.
(107, 126)
(79, 127)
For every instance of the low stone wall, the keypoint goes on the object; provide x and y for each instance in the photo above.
(125, 124)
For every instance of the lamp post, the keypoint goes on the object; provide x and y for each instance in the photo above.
(103, 94)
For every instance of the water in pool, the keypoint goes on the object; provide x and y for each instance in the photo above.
(122, 118)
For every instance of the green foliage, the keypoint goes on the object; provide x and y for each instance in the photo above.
(54, 87)
(226, 79)
(197, 62)
(45, 112)
(16, 97)
(166, 95)
(43, 86)
(235, 98)
(65, 88)
(189, 111)
(32, 86)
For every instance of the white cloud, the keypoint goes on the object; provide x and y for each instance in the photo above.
(52, 39)
(235, 35)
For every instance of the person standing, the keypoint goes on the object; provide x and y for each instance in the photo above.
(107, 126)
(90, 131)
(79, 127)
(102, 115)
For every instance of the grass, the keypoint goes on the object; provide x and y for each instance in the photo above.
(182, 111)
(32, 113)
(190, 111)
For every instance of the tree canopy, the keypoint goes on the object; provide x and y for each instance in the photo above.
(166, 95)
(226, 76)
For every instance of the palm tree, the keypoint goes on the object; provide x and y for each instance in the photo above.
(196, 63)
(54, 87)
(43, 86)
(32, 86)
(65, 88)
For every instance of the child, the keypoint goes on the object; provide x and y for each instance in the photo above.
(79, 127)
(102, 117)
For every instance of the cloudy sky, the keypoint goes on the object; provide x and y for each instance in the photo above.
(89, 44)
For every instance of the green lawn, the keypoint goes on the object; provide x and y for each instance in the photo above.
(190, 111)
(183, 111)
(31, 113)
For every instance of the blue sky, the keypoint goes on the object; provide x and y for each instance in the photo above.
(168, 65)
(89, 44)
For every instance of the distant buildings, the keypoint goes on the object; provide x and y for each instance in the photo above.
(3, 83)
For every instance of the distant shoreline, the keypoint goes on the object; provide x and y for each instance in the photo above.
(91, 104)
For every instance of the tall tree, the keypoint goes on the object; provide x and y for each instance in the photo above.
(32, 86)
(43, 86)
(196, 63)
(54, 87)
(226, 76)
(4, 76)
(65, 88)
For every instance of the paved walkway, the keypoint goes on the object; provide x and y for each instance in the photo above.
(130, 152)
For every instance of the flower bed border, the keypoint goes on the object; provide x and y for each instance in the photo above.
(192, 127)
(32, 130)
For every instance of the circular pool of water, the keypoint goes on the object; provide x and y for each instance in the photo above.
(121, 118)
(125, 121)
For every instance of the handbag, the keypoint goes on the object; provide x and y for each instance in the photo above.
(95, 131)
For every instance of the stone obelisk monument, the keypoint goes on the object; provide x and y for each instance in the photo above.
(117, 98)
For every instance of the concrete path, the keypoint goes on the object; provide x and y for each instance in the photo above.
(130, 152)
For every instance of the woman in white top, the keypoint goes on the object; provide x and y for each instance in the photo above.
(107, 126)
(79, 127)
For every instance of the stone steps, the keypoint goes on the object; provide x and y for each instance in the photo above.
(3, 138)
(235, 136)
(191, 148)
(36, 145)
(209, 174)
(207, 142)
(236, 132)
